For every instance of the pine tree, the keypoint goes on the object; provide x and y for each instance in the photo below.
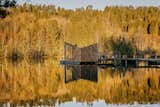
(13, 3)
(0, 3)
(8, 3)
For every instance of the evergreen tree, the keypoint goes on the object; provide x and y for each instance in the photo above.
(8, 3)
(122, 47)
(0, 3)
(13, 3)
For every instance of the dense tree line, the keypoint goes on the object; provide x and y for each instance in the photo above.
(128, 19)
(82, 23)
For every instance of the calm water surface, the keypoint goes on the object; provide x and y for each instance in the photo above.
(43, 82)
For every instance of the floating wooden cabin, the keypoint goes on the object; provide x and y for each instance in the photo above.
(82, 62)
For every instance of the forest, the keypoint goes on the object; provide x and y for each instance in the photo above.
(82, 26)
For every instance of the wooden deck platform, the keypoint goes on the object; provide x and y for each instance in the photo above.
(123, 62)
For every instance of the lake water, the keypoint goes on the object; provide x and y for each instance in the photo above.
(99, 103)
(36, 83)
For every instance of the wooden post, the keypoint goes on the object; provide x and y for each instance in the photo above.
(65, 51)
(137, 63)
(65, 68)
(125, 62)
(65, 74)
(147, 63)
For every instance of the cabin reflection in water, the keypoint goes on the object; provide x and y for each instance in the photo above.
(80, 62)
(76, 72)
